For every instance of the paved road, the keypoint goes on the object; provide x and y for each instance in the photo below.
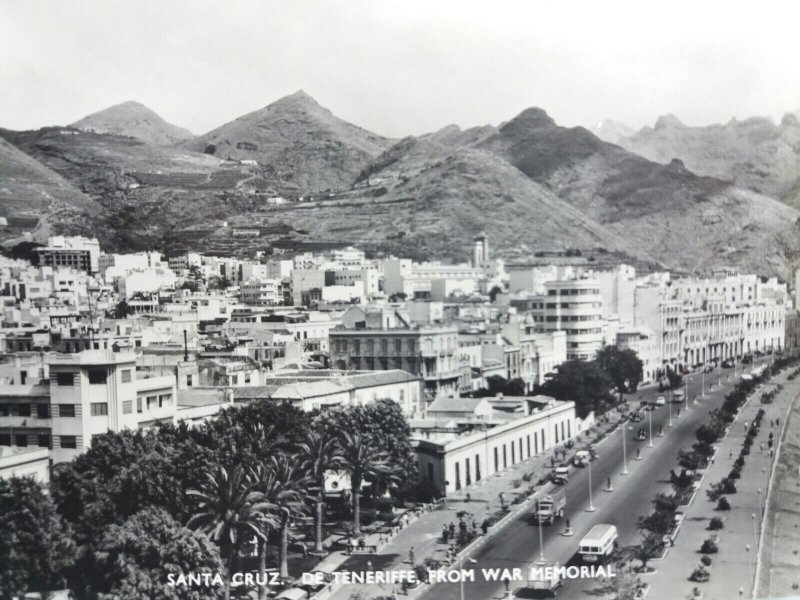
(518, 544)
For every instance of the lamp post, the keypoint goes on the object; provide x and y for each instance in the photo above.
(461, 578)
(624, 457)
(671, 398)
(686, 395)
(755, 533)
(541, 540)
(650, 427)
(591, 504)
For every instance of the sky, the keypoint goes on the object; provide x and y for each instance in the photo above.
(400, 67)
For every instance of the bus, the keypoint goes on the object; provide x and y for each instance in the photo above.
(598, 544)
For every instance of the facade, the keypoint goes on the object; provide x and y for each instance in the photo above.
(575, 307)
(86, 394)
(79, 253)
(430, 352)
(474, 448)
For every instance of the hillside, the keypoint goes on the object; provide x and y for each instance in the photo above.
(304, 146)
(37, 201)
(135, 120)
(755, 154)
(145, 190)
(684, 220)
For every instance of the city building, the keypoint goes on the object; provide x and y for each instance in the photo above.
(79, 253)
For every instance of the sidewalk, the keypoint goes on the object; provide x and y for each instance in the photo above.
(732, 569)
(424, 533)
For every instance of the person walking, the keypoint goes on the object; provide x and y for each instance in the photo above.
(411, 555)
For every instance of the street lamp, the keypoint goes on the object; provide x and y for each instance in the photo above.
(755, 532)
(461, 578)
(671, 398)
(591, 504)
(624, 458)
(541, 539)
(686, 395)
(760, 510)
(650, 436)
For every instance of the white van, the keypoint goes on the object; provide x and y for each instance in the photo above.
(677, 396)
(598, 544)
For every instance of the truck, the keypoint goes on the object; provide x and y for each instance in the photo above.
(581, 458)
(551, 507)
(597, 545)
(545, 576)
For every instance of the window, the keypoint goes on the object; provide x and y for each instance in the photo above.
(139, 405)
(24, 410)
(188, 382)
(69, 441)
(151, 402)
(66, 410)
(127, 407)
(458, 476)
(42, 411)
(44, 440)
(5, 439)
(126, 376)
(468, 472)
(65, 379)
(247, 377)
(430, 472)
(99, 409)
(21, 439)
(477, 467)
(97, 376)
(5, 410)
(164, 400)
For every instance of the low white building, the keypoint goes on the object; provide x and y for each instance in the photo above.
(467, 450)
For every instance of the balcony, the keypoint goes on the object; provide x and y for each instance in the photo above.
(27, 422)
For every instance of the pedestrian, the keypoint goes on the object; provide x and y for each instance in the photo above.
(369, 565)
(506, 582)
(305, 549)
(761, 446)
(411, 555)
(730, 454)
(745, 426)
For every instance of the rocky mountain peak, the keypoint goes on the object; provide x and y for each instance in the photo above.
(668, 121)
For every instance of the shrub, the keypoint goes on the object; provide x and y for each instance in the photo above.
(700, 574)
(709, 547)
(515, 483)
(368, 516)
(715, 524)
(723, 504)
(734, 474)
(745, 451)
(421, 572)
(739, 462)
(706, 561)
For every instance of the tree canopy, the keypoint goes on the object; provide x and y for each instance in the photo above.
(583, 382)
(623, 367)
(35, 543)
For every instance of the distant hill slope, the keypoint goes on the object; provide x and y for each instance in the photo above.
(38, 201)
(303, 144)
(754, 153)
(685, 220)
(135, 120)
(145, 190)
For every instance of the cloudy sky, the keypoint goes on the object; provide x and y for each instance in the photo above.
(399, 67)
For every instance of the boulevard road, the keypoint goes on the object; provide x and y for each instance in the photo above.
(517, 545)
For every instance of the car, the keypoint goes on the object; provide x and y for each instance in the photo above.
(708, 369)
(728, 363)
(641, 435)
(636, 417)
(747, 359)
(661, 401)
(560, 475)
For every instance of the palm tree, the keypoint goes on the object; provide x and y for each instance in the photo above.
(361, 458)
(280, 492)
(320, 453)
(225, 510)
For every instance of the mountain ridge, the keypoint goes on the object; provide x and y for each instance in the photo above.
(134, 119)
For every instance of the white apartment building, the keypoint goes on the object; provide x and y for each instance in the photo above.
(261, 292)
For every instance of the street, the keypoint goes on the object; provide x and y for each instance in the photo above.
(518, 544)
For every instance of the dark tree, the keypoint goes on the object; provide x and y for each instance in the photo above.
(35, 544)
(134, 558)
(623, 367)
(650, 546)
(583, 382)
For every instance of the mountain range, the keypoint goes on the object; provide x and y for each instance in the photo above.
(650, 197)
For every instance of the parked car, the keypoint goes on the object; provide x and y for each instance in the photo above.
(747, 359)
(641, 435)
(661, 401)
(636, 417)
(728, 363)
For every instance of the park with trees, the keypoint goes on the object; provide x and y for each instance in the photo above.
(238, 493)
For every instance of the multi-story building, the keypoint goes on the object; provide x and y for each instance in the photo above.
(573, 306)
(86, 394)
(261, 292)
(79, 253)
(429, 351)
